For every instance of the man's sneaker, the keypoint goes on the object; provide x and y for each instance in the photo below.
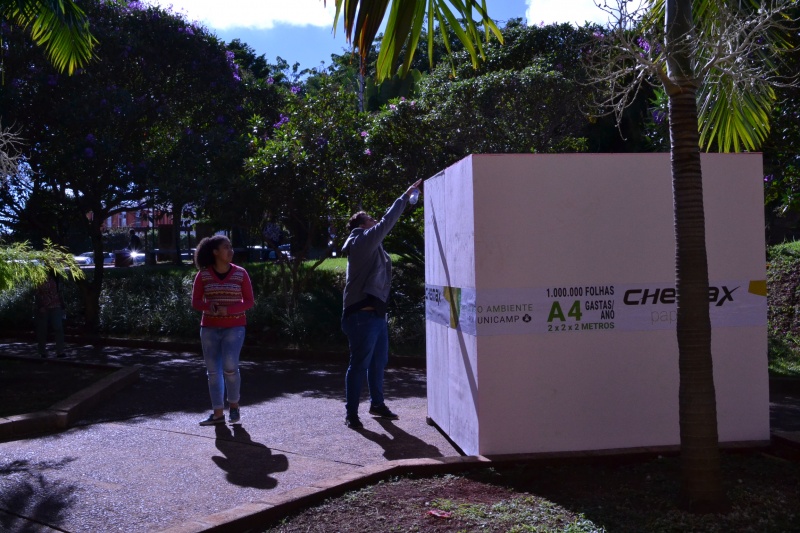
(211, 420)
(235, 417)
(381, 411)
(353, 422)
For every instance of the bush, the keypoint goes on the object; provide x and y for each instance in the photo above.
(783, 315)
(155, 302)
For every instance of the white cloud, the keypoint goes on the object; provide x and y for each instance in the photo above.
(575, 11)
(255, 14)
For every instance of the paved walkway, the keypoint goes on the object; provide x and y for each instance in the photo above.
(141, 463)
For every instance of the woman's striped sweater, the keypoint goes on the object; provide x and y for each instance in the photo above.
(234, 292)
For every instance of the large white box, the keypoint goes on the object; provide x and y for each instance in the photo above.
(550, 301)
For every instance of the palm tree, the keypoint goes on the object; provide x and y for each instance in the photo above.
(717, 69)
(732, 115)
(700, 461)
(60, 26)
(362, 19)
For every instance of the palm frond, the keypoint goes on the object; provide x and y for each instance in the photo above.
(60, 26)
(362, 19)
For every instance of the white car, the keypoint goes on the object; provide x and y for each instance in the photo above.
(87, 258)
(84, 259)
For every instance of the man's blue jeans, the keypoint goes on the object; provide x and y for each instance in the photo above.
(368, 336)
(221, 347)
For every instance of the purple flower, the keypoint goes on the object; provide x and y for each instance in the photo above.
(643, 44)
(658, 116)
(392, 107)
(270, 81)
(295, 89)
(321, 142)
(88, 153)
(402, 98)
(768, 178)
(364, 134)
(284, 119)
(188, 131)
(368, 151)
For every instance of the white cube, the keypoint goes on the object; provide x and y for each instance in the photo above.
(550, 313)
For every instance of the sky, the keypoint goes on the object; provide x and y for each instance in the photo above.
(301, 30)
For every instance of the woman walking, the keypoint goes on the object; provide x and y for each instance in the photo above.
(222, 291)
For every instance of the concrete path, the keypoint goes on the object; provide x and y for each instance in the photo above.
(141, 462)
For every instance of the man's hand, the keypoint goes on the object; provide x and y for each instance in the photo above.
(414, 185)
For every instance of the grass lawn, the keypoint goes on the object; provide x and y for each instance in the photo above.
(32, 385)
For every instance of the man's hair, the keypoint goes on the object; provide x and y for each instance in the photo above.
(356, 220)
(204, 253)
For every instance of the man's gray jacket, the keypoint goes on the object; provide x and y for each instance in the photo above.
(369, 268)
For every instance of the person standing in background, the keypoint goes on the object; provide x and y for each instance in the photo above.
(135, 243)
(49, 312)
(222, 291)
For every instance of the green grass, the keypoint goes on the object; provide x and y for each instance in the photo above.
(786, 249)
(333, 264)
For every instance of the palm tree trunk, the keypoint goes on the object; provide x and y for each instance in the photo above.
(701, 479)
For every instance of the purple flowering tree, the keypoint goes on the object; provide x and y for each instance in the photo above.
(155, 114)
(307, 167)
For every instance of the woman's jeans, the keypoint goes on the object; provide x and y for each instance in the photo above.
(53, 317)
(221, 347)
(368, 336)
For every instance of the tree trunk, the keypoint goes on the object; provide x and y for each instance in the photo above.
(701, 480)
(177, 211)
(90, 288)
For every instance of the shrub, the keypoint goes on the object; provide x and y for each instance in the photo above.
(155, 302)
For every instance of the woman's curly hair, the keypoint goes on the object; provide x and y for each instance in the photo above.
(204, 253)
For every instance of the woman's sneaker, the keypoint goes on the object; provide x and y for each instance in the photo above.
(381, 411)
(234, 416)
(211, 420)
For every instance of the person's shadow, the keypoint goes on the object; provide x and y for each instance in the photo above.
(247, 463)
(398, 444)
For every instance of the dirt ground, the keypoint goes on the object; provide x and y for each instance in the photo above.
(618, 496)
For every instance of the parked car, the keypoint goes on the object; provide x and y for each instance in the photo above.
(126, 258)
(84, 259)
(285, 249)
(87, 258)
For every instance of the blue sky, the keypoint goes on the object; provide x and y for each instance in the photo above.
(301, 30)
